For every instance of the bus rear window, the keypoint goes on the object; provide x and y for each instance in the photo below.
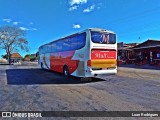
(103, 38)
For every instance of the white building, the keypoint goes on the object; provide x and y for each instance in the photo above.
(16, 57)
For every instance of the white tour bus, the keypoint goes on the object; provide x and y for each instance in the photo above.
(90, 53)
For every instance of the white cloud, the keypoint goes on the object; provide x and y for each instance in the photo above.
(7, 20)
(16, 23)
(73, 8)
(76, 26)
(89, 9)
(23, 28)
(73, 2)
(26, 29)
(86, 10)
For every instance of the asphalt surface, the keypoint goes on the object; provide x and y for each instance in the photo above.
(25, 87)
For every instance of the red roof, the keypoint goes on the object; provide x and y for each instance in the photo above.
(16, 55)
(148, 44)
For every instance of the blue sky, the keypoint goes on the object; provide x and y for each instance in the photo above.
(47, 20)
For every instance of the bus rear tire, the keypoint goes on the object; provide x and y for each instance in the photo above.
(66, 71)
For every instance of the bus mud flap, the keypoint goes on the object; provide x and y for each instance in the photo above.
(80, 69)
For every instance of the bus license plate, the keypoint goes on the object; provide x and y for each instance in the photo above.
(104, 68)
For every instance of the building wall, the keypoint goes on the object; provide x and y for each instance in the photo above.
(14, 60)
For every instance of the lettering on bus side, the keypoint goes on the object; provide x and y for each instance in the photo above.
(70, 43)
(98, 55)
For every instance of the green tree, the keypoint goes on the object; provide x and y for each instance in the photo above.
(4, 56)
(12, 39)
(27, 56)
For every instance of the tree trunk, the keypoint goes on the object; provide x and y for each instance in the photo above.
(9, 57)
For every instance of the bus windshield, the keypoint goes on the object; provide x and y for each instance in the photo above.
(103, 37)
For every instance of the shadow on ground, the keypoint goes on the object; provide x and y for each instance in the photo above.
(5, 64)
(38, 76)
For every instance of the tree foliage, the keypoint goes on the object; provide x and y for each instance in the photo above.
(27, 56)
(12, 39)
(4, 56)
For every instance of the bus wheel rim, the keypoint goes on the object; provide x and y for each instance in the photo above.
(66, 72)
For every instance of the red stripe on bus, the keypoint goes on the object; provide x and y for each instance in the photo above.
(59, 59)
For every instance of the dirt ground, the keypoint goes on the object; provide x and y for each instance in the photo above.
(27, 88)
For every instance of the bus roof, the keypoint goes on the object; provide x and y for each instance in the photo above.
(92, 29)
(101, 30)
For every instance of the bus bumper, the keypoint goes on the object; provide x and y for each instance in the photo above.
(101, 73)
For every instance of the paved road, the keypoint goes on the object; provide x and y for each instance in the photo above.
(26, 87)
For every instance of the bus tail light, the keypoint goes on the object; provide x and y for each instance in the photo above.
(89, 63)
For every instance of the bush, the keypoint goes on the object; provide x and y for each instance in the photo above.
(32, 59)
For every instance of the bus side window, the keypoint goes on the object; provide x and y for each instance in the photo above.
(81, 40)
(65, 44)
